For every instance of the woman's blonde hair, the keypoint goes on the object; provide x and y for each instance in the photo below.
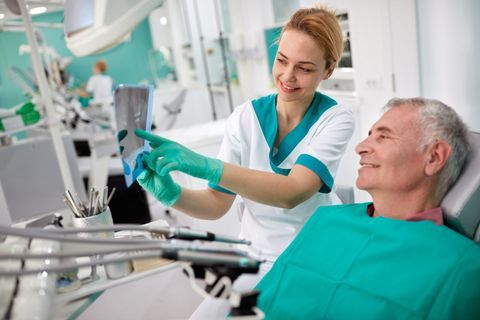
(321, 24)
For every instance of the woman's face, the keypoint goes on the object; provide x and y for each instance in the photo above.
(299, 66)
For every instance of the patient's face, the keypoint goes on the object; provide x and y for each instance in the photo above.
(389, 161)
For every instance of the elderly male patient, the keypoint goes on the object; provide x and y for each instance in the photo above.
(393, 258)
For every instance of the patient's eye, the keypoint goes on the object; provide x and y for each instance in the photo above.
(382, 137)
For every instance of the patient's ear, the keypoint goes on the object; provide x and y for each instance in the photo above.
(437, 155)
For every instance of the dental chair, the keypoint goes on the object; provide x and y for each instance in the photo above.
(345, 193)
(461, 205)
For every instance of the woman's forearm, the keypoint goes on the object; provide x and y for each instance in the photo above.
(204, 204)
(270, 188)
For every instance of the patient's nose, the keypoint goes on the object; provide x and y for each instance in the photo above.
(363, 147)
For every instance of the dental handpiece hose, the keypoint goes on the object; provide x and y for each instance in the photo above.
(187, 234)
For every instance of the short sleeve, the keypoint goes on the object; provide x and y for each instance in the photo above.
(230, 149)
(327, 146)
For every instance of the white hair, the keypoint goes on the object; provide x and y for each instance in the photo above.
(438, 121)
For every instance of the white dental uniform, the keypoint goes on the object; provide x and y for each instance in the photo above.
(100, 86)
(318, 143)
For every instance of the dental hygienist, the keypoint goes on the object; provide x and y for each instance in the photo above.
(99, 85)
(280, 152)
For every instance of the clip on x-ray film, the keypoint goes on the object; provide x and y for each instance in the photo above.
(133, 110)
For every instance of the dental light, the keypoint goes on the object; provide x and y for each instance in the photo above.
(96, 26)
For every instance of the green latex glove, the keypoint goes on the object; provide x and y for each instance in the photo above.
(169, 155)
(161, 187)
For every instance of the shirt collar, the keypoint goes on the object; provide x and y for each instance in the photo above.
(434, 215)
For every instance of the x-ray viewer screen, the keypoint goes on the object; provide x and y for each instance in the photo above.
(133, 109)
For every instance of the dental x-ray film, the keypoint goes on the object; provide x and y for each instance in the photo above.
(133, 109)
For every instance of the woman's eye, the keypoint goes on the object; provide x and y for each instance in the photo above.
(281, 61)
(305, 69)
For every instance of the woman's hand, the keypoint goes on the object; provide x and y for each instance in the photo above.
(169, 156)
(161, 187)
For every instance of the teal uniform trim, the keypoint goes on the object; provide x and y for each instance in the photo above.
(266, 110)
(220, 189)
(319, 168)
(278, 170)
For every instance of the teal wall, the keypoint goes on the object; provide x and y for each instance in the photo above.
(271, 38)
(127, 62)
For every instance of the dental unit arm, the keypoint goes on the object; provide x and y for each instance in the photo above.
(211, 267)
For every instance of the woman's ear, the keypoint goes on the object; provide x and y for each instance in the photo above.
(437, 156)
(329, 71)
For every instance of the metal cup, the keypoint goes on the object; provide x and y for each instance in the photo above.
(102, 219)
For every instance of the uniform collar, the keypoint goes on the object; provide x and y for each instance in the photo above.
(266, 112)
